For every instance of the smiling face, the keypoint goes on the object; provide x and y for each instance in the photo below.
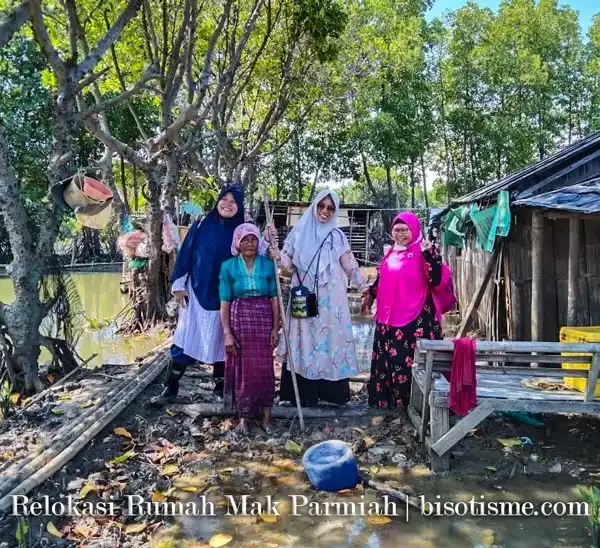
(325, 210)
(249, 246)
(401, 234)
(227, 206)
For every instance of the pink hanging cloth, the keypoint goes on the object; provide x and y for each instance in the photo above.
(463, 377)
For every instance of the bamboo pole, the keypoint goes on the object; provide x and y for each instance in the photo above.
(67, 433)
(48, 468)
(61, 382)
(290, 360)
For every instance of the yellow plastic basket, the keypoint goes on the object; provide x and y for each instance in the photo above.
(579, 335)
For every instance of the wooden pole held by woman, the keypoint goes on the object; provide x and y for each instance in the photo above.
(269, 216)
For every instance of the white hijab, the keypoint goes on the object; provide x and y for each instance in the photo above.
(305, 238)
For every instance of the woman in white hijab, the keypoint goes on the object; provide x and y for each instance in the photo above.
(322, 346)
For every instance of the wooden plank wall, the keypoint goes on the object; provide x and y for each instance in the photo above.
(468, 266)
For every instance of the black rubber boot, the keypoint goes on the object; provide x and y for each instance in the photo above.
(174, 373)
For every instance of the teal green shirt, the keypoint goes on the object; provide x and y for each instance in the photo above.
(237, 282)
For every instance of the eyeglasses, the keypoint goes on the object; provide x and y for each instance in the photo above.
(329, 208)
(400, 230)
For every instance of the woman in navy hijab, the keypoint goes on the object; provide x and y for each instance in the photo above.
(199, 335)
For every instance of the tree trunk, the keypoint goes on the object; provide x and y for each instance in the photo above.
(368, 176)
(424, 174)
(136, 191)
(157, 274)
(169, 188)
(390, 186)
(124, 186)
(23, 317)
(412, 183)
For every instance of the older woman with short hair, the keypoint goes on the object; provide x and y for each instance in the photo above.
(250, 318)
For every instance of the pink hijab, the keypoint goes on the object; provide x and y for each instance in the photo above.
(243, 230)
(403, 280)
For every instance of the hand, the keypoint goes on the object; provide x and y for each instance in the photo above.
(367, 303)
(231, 345)
(274, 338)
(426, 245)
(181, 297)
(270, 234)
(274, 253)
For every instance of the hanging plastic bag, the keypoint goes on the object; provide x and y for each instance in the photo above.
(170, 235)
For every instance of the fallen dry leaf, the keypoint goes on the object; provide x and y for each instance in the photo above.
(268, 518)
(157, 496)
(191, 489)
(171, 470)
(50, 378)
(293, 447)
(65, 397)
(82, 531)
(378, 520)
(53, 530)
(124, 457)
(57, 412)
(135, 528)
(170, 412)
(120, 431)
(360, 431)
(369, 442)
(219, 540)
(87, 404)
(86, 489)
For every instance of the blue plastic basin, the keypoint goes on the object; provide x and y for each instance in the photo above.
(331, 466)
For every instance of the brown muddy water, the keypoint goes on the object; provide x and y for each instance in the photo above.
(102, 302)
(295, 527)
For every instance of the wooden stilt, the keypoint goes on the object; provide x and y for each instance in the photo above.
(573, 288)
(537, 276)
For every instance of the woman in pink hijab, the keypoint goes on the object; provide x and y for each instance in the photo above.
(406, 310)
(250, 319)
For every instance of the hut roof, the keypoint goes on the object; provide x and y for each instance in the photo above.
(581, 198)
(536, 179)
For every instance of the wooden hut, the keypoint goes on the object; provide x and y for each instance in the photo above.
(354, 219)
(545, 273)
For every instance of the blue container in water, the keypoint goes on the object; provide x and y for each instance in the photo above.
(331, 466)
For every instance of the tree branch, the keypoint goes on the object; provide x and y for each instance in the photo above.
(92, 78)
(43, 39)
(16, 19)
(114, 144)
(74, 29)
(103, 106)
(121, 79)
(90, 62)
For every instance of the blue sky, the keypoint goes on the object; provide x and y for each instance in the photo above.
(586, 8)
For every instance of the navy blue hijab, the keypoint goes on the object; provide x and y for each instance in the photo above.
(206, 247)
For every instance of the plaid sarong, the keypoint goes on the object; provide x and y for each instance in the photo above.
(249, 376)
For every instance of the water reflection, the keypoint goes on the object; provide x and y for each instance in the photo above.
(102, 301)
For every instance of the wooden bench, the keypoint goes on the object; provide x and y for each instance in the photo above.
(501, 366)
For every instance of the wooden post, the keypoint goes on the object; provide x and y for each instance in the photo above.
(537, 276)
(573, 290)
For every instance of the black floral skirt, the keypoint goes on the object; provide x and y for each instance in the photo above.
(393, 355)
